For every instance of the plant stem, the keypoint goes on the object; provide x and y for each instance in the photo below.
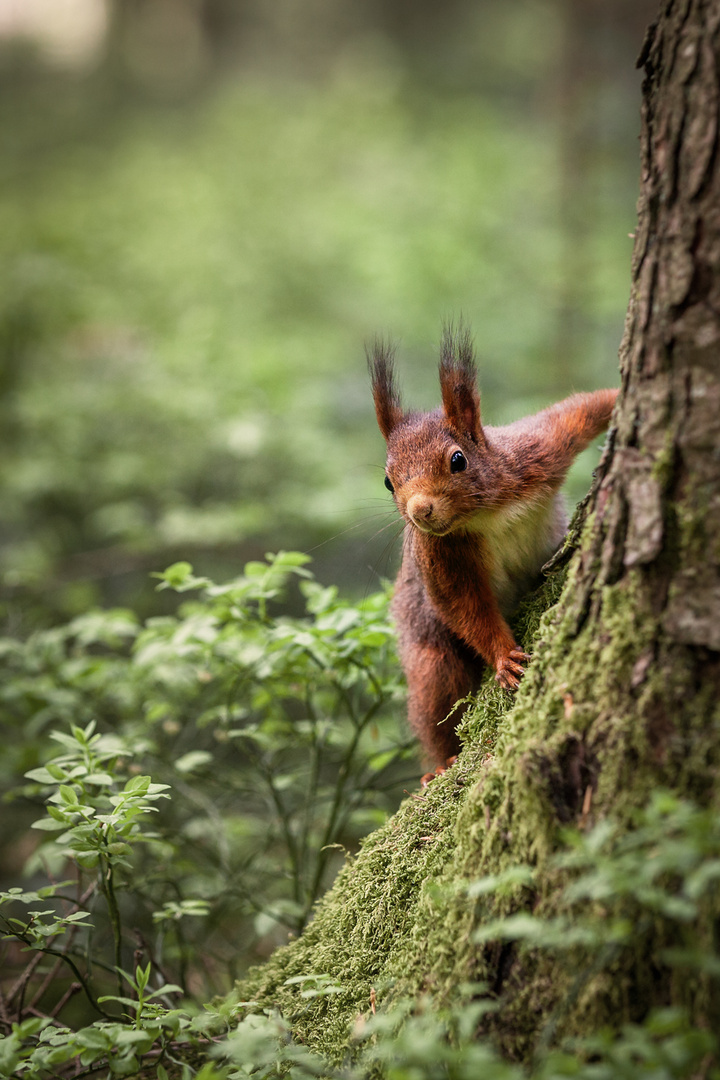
(287, 833)
(108, 891)
(343, 776)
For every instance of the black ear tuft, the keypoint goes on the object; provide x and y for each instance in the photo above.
(458, 382)
(388, 407)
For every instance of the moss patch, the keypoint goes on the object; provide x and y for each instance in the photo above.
(602, 718)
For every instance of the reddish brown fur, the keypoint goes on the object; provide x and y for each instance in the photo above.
(477, 533)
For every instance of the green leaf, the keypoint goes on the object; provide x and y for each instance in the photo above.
(177, 574)
(255, 569)
(194, 759)
(167, 988)
(48, 824)
(16, 893)
(137, 783)
(142, 976)
(122, 1000)
(503, 882)
(45, 776)
(289, 558)
(94, 1038)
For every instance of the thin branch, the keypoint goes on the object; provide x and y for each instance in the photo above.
(72, 989)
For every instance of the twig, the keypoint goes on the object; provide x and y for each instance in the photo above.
(37, 996)
(72, 989)
(76, 972)
(25, 975)
(3, 1005)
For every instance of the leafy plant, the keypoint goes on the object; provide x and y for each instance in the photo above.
(234, 751)
(635, 896)
(663, 867)
(618, 883)
(272, 734)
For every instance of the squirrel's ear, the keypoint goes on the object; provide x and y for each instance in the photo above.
(458, 383)
(388, 407)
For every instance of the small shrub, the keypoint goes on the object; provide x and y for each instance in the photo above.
(234, 753)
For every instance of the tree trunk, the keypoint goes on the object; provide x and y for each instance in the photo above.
(624, 691)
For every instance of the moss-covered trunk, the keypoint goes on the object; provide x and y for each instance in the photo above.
(623, 694)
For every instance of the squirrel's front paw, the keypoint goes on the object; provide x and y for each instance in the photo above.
(441, 769)
(509, 669)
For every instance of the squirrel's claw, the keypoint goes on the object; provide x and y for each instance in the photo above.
(518, 654)
(510, 670)
(508, 680)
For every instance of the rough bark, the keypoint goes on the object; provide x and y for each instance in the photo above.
(623, 695)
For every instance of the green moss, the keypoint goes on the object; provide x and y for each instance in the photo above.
(663, 466)
(365, 926)
(586, 736)
(396, 921)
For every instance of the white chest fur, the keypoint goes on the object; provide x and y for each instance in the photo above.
(517, 540)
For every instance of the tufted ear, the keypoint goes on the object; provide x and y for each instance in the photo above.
(388, 407)
(458, 383)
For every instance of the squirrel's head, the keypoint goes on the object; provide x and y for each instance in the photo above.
(436, 462)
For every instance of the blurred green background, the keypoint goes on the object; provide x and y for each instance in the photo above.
(208, 206)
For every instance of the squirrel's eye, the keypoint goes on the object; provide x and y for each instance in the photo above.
(388, 484)
(458, 462)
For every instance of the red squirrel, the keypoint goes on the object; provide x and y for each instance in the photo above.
(483, 513)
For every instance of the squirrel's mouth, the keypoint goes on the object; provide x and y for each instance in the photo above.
(430, 513)
(430, 528)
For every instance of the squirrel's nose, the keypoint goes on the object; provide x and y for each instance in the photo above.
(420, 507)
